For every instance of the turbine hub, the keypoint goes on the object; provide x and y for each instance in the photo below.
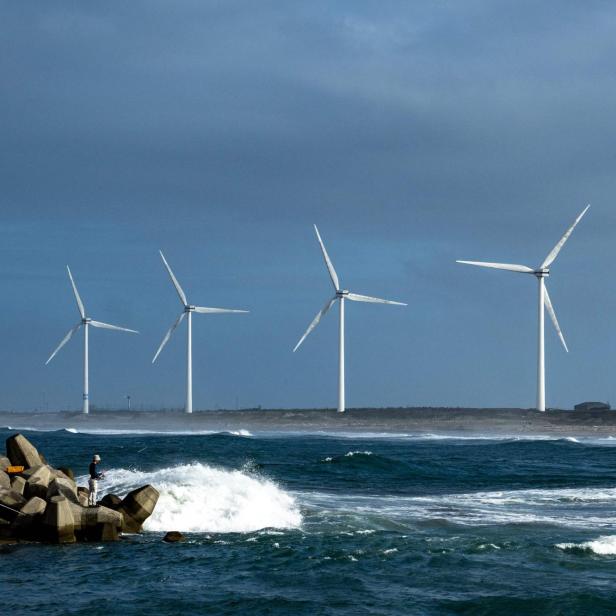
(86, 320)
(542, 273)
(189, 308)
(342, 293)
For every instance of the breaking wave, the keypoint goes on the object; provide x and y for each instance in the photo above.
(201, 498)
(604, 546)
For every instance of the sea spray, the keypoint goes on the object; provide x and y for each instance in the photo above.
(201, 498)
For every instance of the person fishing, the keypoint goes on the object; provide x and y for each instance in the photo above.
(95, 475)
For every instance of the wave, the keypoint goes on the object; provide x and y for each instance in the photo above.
(579, 439)
(135, 432)
(240, 432)
(348, 454)
(201, 498)
(604, 546)
(571, 507)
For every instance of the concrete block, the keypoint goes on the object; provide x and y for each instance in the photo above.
(21, 452)
(58, 521)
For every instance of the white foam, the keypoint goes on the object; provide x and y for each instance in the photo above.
(240, 432)
(201, 498)
(560, 507)
(604, 545)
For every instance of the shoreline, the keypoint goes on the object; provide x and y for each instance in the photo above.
(415, 421)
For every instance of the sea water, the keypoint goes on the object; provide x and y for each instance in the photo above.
(334, 524)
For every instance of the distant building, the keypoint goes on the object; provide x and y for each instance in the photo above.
(592, 406)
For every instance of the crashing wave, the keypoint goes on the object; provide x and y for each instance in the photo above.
(201, 498)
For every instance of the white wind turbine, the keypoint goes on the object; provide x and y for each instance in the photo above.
(541, 272)
(85, 323)
(188, 310)
(341, 295)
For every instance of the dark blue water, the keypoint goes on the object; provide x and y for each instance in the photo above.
(335, 525)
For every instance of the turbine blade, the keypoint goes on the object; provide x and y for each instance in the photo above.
(174, 280)
(168, 335)
(315, 321)
(510, 267)
(554, 253)
(204, 310)
(355, 297)
(114, 327)
(328, 263)
(82, 310)
(550, 309)
(64, 341)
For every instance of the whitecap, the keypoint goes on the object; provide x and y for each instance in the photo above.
(604, 545)
(240, 432)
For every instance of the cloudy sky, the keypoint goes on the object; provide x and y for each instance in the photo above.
(413, 134)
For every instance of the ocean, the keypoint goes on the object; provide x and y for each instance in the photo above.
(334, 524)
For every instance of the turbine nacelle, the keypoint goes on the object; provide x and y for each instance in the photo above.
(542, 273)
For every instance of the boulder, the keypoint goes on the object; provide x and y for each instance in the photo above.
(173, 536)
(136, 508)
(96, 523)
(4, 463)
(58, 521)
(66, 472)
(21, 452)
(12, 500)
(30, 471)
(102, 524)
(34, 506)
(29, 521)
(63, 487)
(5, 480)
(82, 495)
(18, 484)
(37, 481)
(79, 518)
(111, 500)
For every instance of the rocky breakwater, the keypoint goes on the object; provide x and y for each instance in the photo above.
(41, 503)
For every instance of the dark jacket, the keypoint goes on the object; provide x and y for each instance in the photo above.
(94, 474)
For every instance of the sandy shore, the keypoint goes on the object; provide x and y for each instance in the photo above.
(445, 421)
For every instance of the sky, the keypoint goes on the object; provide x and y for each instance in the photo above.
(412, 134)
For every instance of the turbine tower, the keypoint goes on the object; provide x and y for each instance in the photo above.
(541, 273)
(187, 312)
(340, 296)
(85, 323)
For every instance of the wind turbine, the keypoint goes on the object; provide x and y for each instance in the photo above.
(541, 273)
(188, 310)
(85, 323)
(341, 295)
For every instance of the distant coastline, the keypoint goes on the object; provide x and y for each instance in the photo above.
(442, 421)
